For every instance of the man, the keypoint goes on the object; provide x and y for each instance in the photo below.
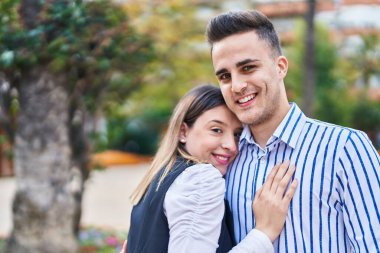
(336, 206)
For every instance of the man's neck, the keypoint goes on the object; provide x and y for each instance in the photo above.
(262, 132)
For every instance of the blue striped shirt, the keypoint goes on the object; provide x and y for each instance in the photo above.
(336, 205)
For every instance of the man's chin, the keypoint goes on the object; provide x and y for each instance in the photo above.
(247, 117)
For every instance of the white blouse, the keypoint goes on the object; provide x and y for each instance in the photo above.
(194, 207)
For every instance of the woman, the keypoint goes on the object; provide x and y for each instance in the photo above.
(179, 204)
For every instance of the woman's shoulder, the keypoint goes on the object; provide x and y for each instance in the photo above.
(202, 173)
(198, 178)
(198, 187)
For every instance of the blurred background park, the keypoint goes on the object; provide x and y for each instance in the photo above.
(87, 87)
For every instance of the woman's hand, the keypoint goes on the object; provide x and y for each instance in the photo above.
(272, 200)
(124, 249)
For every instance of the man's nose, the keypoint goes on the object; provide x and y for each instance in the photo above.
(238, 84)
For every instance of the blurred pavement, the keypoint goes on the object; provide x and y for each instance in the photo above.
(105, 202)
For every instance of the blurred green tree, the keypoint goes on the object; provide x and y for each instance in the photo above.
(362, 62)
(183, 61)
(60, 60)
(308, 69)
(343, 77)
(327, 86)
(359, 69)
(367, 116)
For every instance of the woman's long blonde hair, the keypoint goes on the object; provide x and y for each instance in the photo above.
(189, 108)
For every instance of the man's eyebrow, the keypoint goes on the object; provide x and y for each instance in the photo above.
(243, 62)
(238, 64)
(221, 71)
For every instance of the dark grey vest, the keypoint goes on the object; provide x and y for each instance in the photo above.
(149, 231)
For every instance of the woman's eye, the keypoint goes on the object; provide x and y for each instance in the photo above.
(216, 130)
(237, 135)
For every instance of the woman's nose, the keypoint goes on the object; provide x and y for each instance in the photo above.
(229, 143)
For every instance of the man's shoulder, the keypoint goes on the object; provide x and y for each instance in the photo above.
(343, 132)
(344, 129)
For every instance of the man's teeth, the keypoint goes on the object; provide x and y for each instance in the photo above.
(222, 158)
(246, 99)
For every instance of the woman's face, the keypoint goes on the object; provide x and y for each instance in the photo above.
(213, 137)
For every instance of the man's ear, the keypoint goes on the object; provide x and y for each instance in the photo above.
(282, 66)
(183, 133)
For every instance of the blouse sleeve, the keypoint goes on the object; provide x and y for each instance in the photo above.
(194, 206)
(255, 242)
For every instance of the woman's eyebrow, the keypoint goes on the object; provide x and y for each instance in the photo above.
(218, 121)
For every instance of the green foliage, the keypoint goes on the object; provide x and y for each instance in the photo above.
(8, 12)
(355, 68)
(183, 58)
(336, 106)
(138, 134)
(325, 61)
(327, 90)
(182, 61)
(92, 42)
(6, 149)
(366, 115)
(2, 244)
(361, 62)
(92, 240)
(337, 99)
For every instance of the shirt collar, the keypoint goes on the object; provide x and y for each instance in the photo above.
(288, 131)
(291, 126)
(246, 135)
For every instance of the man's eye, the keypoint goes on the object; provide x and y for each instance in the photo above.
(247, 68)
(224, 76)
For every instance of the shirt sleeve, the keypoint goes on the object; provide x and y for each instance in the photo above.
(359, 188)
(194, 206)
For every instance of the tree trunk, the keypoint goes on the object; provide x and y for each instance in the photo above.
(46, 206)
(80, 152)
(309, 75)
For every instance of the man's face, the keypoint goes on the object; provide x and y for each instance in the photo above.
(250, 77)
